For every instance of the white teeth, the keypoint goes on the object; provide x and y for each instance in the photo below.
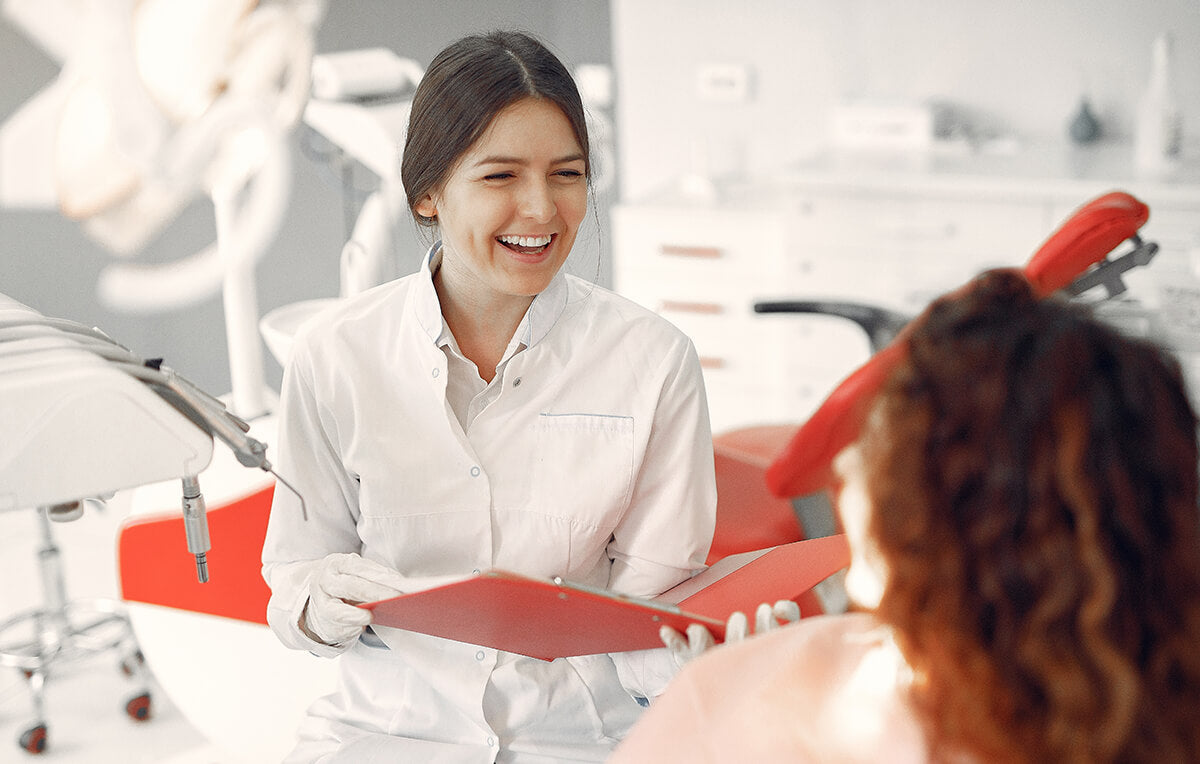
(526, 241)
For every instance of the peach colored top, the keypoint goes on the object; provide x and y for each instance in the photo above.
(828, 688)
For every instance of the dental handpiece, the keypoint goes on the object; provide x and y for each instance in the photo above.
(195, 525)
(210, 414)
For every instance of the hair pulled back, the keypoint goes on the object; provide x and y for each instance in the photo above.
(465, 87)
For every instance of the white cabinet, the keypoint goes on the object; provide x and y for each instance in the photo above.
(879, 237)
(898, 249)
(703, 270)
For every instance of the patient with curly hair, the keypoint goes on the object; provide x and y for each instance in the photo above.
(1021, 507)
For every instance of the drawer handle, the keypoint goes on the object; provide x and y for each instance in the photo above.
(711, 362)
(680, 250)
(916, 231)
(683, 306)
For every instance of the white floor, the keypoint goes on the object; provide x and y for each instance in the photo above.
(85, 700)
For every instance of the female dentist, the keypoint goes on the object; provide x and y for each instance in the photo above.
(486, 411)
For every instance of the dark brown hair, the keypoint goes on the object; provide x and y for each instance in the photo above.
(1034, 478)
(465, 87)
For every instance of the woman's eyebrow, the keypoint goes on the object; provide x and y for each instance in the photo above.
(500, 159)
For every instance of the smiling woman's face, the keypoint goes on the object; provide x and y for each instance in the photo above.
(509, 211)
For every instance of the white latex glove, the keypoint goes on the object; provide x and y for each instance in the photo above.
(766, 618)
(699, 639)
(737, 629)
(340, 582)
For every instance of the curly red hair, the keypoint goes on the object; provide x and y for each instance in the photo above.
(1034, 475)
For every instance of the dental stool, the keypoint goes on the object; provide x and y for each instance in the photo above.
(39, 641)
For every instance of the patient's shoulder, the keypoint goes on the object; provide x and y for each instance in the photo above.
(836, 683)
(835, 638)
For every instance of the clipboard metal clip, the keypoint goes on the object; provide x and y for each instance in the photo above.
(562, 583)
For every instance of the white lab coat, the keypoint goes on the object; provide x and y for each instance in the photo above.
(589, 456)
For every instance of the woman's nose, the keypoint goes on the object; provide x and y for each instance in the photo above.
(537, 202)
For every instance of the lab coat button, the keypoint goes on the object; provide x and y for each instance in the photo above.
(475, 572)
(491, 741)
(479, 656)
(474, 472)
(517, 382)
(436, 372)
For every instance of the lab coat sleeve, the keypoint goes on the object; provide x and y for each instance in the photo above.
(673, 729)
(308, 458)
(666, 535)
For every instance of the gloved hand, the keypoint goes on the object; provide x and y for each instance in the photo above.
(682, 650)
(737, 629)
(340, 582)
(766, 618)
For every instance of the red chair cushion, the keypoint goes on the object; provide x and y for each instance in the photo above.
(155, 568)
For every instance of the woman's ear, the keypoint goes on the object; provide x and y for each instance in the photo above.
(426, 207)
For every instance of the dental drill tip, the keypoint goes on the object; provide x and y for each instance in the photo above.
(202, 568)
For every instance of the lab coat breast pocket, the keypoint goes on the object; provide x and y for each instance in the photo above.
(583, 472)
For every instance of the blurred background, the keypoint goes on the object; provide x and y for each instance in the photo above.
(1010, 77)
(49, 264)
(862, 152)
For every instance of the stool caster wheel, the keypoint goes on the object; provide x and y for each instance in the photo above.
(133, 663)
(138, 707)
(33, 739)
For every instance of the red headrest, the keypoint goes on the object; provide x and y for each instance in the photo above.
(1094, 230)
(806, 463)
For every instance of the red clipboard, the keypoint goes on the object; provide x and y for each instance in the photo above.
(553, 618)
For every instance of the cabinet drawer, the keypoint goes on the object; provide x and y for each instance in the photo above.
(773, 346)
(897, 279)
(1176, 231)
(889, 224)
(734, 402)
(695, 245)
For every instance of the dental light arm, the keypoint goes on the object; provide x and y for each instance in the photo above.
(84, 416)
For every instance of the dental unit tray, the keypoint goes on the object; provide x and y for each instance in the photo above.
(77, 427)
(552, 618)
(83, 417)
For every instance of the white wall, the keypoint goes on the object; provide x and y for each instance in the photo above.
(1021, 66)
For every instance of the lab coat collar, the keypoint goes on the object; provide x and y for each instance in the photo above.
(541, 316)
(425, 304)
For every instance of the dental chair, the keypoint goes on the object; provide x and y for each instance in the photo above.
(1075, 259)
(770, 485)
